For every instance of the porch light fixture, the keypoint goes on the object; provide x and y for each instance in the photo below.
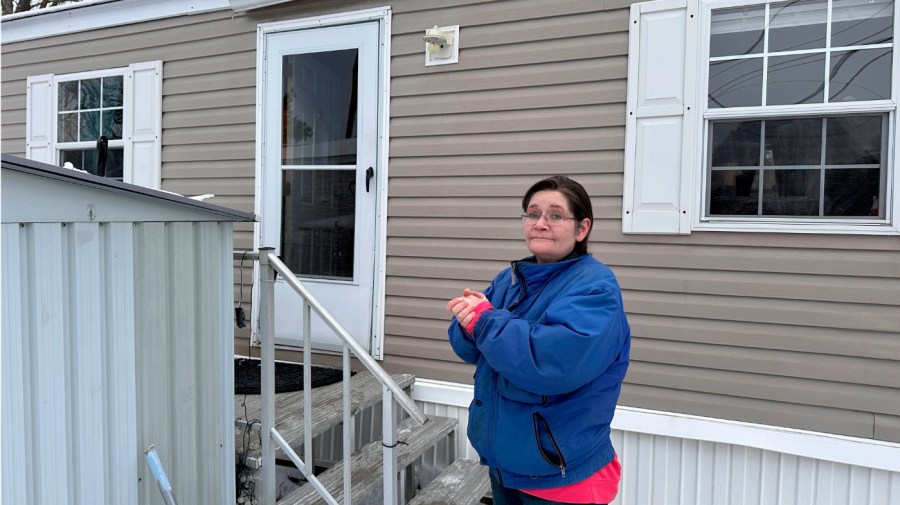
(441, 45)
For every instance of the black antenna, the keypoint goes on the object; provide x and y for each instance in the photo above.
(102, 151)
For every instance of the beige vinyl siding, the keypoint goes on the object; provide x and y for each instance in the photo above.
(793, 330)
(539, 89)
(797, 330)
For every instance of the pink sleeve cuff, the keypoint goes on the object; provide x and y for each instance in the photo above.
(478, 310)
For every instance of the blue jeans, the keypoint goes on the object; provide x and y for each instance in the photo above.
(508, 496)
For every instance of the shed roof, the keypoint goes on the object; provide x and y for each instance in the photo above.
(65, 193)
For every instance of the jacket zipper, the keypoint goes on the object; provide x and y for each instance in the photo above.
(536, 417)
(517, 275)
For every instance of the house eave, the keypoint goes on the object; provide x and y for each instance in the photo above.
(96, 14)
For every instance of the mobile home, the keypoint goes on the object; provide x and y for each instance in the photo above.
(740, 154)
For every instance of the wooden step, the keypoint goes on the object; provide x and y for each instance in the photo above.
(367, 464)
(327, 408)
(464, 482)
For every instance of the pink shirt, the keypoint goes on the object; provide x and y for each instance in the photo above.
(601, 487)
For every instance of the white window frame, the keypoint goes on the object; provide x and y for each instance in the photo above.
(141, 120)
(890, 224)
(58, 145)
(664, 189)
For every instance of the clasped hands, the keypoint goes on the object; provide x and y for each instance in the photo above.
(463, 307)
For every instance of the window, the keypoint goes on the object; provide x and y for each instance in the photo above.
(104, 122)
(772, 116)
(87, 111)
(781, 143)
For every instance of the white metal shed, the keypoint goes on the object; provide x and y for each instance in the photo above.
(116, 334)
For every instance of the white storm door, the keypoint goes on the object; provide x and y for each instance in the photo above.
(319, 160)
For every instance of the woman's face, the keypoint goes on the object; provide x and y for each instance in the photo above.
(550, 242)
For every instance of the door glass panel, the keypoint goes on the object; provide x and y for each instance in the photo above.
(319, 102)
(318, 222)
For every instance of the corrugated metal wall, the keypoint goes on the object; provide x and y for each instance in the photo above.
(116, 336)
(797, 330)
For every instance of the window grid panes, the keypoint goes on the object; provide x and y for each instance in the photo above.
(813, 167)
(786, 53)
(86, 110)
(778, 145)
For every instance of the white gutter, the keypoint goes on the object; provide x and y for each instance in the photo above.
(94, 14)
(246, 5)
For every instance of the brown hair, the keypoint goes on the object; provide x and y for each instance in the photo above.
(575, 195)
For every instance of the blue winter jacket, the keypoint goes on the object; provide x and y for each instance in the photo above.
(550, 359)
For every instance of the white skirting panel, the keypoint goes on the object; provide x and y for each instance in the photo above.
(673, 459)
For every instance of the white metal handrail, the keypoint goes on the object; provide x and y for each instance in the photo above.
(269, 264)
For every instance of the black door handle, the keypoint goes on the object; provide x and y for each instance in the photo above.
(369, 173)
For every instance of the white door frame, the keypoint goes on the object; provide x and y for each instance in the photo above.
(383, 16)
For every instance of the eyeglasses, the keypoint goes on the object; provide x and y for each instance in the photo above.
(552, 218)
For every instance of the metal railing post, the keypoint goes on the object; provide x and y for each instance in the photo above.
(267, 378)
(389, 441)
(349, 443)
(405, 402)
(269, 266)
(307, 387)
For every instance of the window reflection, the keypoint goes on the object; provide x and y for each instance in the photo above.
(319, 94)
(796, 79)
(852, 192)
(793, 45)
(89, 108)
(791, 193)
(797, 25)
(791, 142)
(734, 193)
(318, 209)
(737, 31)
(860, 75)
(852, 140)
(798, 175)
(735, 83)
(735, 144)
(859, 22)
(86, 159)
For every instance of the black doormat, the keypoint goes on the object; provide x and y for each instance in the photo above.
(288, 376)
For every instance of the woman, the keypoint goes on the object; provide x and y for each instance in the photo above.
(550, 343)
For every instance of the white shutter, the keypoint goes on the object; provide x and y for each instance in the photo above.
(39, 119)
(659, 132)
(143, 124)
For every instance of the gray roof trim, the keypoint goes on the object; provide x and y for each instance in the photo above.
(84, 179)
(246, 5)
